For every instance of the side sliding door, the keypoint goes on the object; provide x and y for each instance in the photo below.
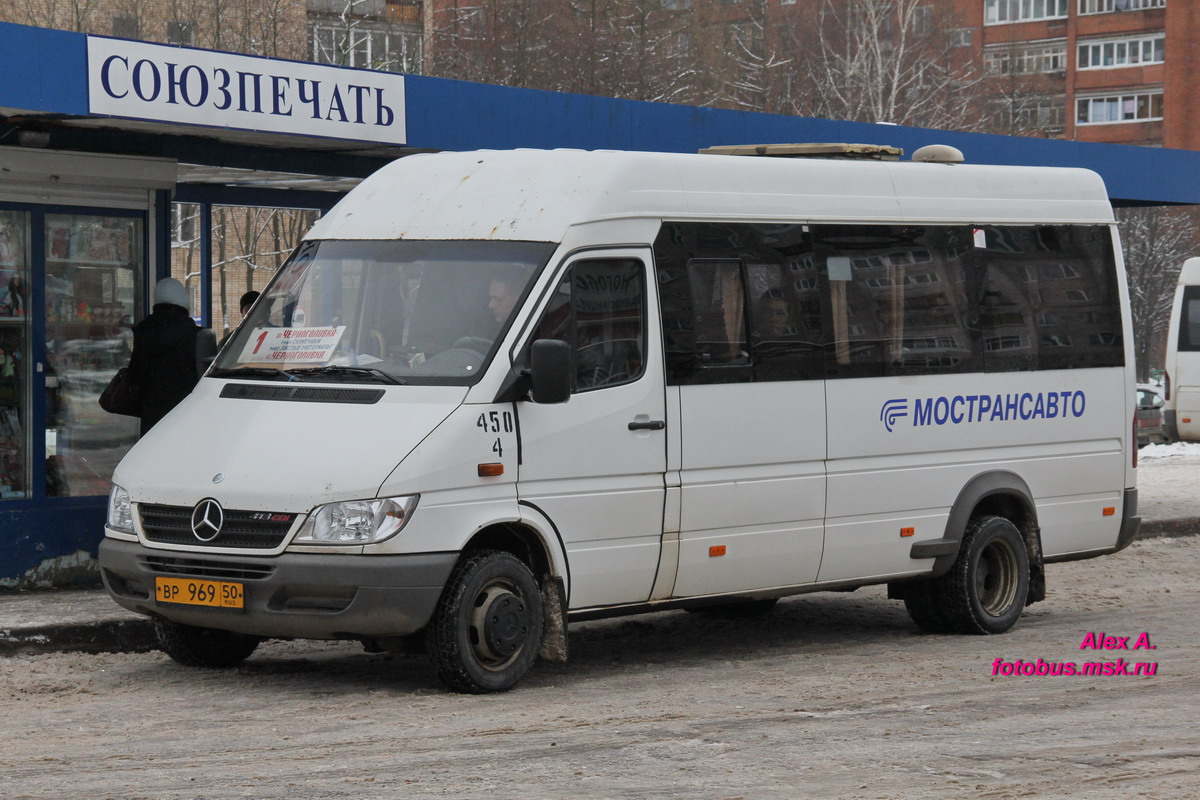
(742, 328)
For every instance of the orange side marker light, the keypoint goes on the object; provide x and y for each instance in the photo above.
(491, 470)
(716, 550)
(907, 531)
(1109, 511)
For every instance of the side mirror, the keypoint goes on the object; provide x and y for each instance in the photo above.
(550, 371)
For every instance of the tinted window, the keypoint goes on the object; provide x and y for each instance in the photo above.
(759, 302)
(740, 302)
(1048, 298)
(898, 299)
(1189, 322)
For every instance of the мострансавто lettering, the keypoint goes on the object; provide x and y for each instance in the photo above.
(966, 408)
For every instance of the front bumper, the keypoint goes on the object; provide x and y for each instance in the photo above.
(298, 595)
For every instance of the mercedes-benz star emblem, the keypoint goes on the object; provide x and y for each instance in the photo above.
(207, 519)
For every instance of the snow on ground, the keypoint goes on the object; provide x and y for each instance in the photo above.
(1169, 481)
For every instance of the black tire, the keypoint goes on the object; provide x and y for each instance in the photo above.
(487, 628)
(987, 586)
(922, 604)
(740, 610)
(203, 647)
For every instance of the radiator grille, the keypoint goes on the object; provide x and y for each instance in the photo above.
(202, 568)
(242, 529)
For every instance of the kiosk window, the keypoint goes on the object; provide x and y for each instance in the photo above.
(14, 355)
(93, 266)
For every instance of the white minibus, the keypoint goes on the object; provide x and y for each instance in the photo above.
(1181, 386)
(495, 392)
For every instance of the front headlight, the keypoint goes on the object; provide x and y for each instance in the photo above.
(120, 510)
(357, 521)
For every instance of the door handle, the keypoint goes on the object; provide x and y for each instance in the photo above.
(648, 425)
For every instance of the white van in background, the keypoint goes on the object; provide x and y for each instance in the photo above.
(1181, 386)
(494, 392)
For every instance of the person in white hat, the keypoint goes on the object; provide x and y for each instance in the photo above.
(164, 363)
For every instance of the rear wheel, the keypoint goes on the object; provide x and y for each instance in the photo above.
(487, 627)
(203, 647)
(986, 588)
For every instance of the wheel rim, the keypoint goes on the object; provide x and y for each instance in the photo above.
(499, 626)
(996, 579)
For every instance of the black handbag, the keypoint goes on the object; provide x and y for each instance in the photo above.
(122, 395)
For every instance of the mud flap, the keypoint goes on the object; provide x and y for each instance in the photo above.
(1037, 567)
(554, 625)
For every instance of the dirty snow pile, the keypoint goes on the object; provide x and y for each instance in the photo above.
(1178, 452)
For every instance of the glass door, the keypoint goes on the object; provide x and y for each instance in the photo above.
(93, 268)
(14, 354)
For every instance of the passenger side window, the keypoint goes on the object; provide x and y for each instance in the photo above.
(898, 299)
(1048, 298)
(764, 302)
(740, 303)
(599, 309)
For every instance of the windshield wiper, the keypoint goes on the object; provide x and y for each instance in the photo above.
(250, 372)
(333, 369)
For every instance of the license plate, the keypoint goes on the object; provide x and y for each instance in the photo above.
(195, 592)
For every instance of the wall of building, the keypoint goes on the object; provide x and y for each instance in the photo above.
(1182, 125)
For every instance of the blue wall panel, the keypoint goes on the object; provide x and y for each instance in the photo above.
(32, 538)
(43, 70)
(454, 115)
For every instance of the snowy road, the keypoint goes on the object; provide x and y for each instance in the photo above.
(829, 695)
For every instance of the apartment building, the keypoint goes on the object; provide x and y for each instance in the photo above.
(1116, 71)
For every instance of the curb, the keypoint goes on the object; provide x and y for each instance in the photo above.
(1168, 528)
(107, 636)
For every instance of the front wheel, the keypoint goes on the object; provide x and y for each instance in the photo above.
(203, 647)
(487, 627)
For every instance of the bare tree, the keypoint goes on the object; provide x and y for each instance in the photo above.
(888, 61)
(655, 54)
(70, 15)
(509, 42)
(637, 49)
(253, 243)
(1156, 240)
(752, 67)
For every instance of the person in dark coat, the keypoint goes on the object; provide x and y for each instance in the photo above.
(164, 359)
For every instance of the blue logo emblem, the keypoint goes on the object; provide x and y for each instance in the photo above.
(892, 411)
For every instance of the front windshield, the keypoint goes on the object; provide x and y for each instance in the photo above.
(424, 312)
